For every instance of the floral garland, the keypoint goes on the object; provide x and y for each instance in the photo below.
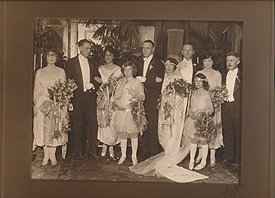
(167, 99)
(138, 113)
(61, 94)
(106, 102)
(205, 127)
(218, 95)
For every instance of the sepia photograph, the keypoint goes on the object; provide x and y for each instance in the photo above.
(138, 99)
(151, 124)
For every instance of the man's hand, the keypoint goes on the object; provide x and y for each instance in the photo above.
(158, 79)
(89, 86)
(97, 79)
(141, 79)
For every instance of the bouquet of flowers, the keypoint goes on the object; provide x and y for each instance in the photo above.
(61, 94)
(205, 127)
(168, 101)
(138, 113)
(106, 103)
(218, 95)
(178, 86)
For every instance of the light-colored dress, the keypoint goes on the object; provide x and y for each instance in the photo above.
(176, 144)
(213, 81)
(123, 123)
(106, 133)
(43, 134)
(198, 103)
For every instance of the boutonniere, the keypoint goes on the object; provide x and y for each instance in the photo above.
(238, 79)
(150, 67)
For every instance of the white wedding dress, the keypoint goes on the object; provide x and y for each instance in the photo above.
(175, 142)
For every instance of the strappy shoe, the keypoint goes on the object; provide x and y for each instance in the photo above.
(191, 165)
(197, 160)
(200, 166)
(44, 162)
(54, 162)
(212, 163)
(112, 154)
(134, 160)
(103, 152)
(121, 160)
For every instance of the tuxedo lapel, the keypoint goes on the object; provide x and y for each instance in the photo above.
(149, 66)
(237, 81)
(78, 71)
(91, 70)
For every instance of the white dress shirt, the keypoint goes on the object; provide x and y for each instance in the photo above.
(146, 64)
(186, 69)
(85, 70)
(230, 83)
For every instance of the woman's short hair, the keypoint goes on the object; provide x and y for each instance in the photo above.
(129, 64)
(47, 51)
(204, 80)
(207, 56)
(173, 61)
(111, 50)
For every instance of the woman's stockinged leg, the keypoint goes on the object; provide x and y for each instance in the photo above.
(134, 143)
(123, 146)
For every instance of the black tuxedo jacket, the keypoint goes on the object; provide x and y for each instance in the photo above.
(237, 87)
(155, 68)
(73, 71)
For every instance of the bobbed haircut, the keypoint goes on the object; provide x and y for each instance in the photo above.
(149, 41)
(207, 56)
(129, 64)
(110, 49)
(204, 80)
(172, 60)
(82, 42)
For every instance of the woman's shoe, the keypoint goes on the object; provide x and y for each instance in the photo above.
(191, 165)
(44, 162)
(212, 163)
(198, 160)
(200, 166)
(104, 150)
(134, 160)
(121, 160)
(54, 162)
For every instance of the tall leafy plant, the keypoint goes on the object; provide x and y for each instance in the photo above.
(122, 35)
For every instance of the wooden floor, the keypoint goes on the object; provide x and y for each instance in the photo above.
(109, 170)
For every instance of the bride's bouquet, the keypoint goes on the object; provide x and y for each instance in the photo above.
(179, 87)
(61, 93)
(138, 113)
(218, 95)
(106, 103)
(205, 127)
(170, 99)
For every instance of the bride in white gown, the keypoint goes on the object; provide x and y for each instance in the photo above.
(176, 144)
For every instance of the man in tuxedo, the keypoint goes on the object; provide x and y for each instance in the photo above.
(85, 73)
(186, 67)
(151, 73)
(231, 111)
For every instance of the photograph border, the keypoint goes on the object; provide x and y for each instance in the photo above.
(257, 175)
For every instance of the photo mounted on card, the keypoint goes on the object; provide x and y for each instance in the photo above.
(151, 101)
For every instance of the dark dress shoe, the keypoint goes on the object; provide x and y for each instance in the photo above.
(226, 161)
(79, 156)
(94, 156)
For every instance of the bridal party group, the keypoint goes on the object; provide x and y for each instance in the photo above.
(171, 107)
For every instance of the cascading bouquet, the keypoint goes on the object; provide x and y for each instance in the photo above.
(205, 127)
(138, 113)
(61, 93)
(170, 99)
(106, 102)
(218, 95)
